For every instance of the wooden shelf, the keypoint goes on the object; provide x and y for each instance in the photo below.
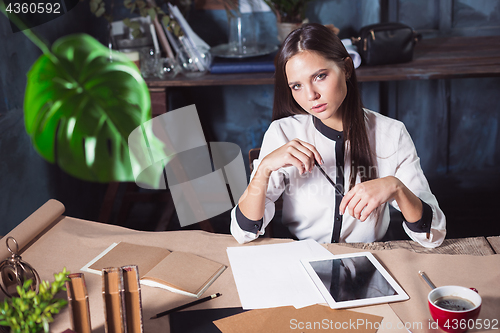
(442, 58)
(214, 80)
(437, 58)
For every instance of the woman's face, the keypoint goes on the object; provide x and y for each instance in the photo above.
(318, 85)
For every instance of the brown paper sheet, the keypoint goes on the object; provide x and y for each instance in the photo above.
(480, 272)
(483, 273)
(391, 322)
(72, 243)
(315, 318)
(33, 226)
(124, 254)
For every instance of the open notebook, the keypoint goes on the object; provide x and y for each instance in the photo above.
(180, 272)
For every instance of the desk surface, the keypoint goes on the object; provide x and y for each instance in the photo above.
(71, 243)
(478, 246)
(437, 58)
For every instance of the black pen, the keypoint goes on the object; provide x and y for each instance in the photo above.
(164, 313)
(328, 178)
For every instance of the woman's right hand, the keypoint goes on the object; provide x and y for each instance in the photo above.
(295, 152)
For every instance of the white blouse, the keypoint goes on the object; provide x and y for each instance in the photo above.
(309, 199)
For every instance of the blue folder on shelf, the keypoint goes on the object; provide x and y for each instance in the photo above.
(245, 65)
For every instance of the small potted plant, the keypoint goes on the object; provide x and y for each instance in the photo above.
(32, 312)
(290, 14)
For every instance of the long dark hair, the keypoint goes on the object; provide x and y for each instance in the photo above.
(320, 39)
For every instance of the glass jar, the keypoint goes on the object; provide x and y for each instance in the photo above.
(167, 68)
(149, 63)
(193, 62)
(242, 39)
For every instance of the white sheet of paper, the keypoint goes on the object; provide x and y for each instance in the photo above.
(268, 276)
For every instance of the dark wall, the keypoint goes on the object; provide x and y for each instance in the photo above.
(454, 123)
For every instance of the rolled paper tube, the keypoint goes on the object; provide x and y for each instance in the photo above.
(78, 300)
(112, 292)
(132, 293)
(33, 226)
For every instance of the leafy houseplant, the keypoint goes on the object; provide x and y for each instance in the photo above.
(32, 312)
(81, 103)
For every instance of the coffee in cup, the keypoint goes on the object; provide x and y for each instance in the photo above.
(452, 307)
(454, 303)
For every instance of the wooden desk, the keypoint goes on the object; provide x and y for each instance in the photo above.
(437, 58)
(477, 246)
(72, 243)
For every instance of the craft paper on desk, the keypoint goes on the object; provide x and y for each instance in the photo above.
(34, 226)
(315, 318)
(272, 275)
(355, 279)
(180, 272)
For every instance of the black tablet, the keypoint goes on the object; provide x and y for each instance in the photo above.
(355, 279)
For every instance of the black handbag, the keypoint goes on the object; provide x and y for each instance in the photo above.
(386, 43)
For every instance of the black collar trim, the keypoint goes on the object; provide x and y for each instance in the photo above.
(330, 133)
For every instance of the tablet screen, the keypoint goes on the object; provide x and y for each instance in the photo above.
(354, 278)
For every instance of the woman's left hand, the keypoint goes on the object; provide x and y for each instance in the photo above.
(365, 197)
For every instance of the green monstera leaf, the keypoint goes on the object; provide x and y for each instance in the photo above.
(81, 104)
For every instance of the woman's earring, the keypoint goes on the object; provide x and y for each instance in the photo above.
(347, 75)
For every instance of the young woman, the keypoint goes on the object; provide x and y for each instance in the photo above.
(318, 118)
